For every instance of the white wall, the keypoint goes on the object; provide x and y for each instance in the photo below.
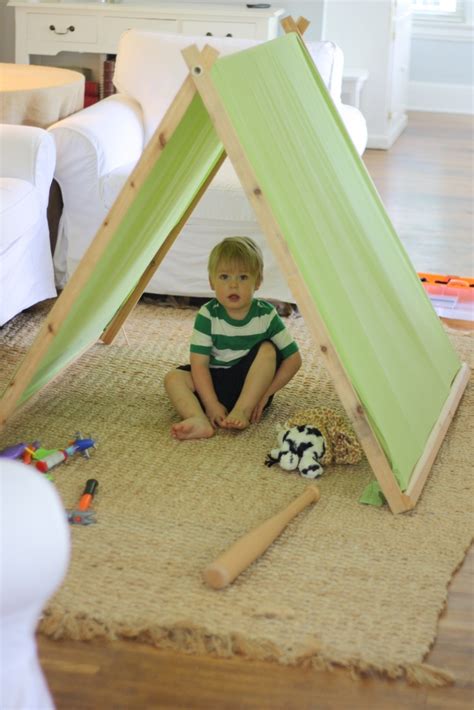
(441, 61)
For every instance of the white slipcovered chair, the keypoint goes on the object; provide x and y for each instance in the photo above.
(27, 160)
(97, 148)
(34, 556)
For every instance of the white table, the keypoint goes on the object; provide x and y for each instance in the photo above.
(38, 95)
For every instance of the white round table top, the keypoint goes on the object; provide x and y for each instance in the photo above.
(35, 95)
(21, 77)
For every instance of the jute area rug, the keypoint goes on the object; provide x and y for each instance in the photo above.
(345, 584)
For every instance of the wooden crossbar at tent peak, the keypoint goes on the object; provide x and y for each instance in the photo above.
(299, 26)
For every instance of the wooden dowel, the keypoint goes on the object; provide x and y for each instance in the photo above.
(302, 24)
(436, 438)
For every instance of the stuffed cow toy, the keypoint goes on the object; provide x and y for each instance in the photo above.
(313, 438)
(300, 447)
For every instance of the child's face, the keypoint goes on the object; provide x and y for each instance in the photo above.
(234, 287)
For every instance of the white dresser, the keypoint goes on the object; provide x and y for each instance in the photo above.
(47, 28)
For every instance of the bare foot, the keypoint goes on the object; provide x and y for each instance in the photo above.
(193, 428)
(237, 419)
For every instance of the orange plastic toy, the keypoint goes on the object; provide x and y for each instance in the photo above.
(452, 296)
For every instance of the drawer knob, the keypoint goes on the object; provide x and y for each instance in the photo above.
(208, 34)
(229, 34)
(71, 28)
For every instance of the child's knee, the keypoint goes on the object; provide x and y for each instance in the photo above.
(172, 378)
(177, 378)
(267, 350)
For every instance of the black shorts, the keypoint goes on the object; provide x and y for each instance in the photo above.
(228, 381)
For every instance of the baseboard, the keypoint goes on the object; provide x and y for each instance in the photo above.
(440, 98)
(384, 141)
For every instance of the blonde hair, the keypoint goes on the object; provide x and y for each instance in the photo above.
(240, 250)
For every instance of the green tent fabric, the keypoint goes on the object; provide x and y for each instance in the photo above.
(173, 182)
(389, 339)
(391, 342)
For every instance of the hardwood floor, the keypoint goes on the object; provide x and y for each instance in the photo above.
(425, 181)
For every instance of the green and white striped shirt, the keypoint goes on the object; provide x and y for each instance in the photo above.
(226, 340)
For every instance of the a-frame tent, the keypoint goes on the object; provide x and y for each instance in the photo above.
(392, 364)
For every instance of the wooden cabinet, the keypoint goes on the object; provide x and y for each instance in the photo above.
(221, 28)
(114, 26)
(377, 37)
(47, 28)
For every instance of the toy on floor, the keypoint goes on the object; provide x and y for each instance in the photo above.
(82, 515)
(300, 447)
(79, 445)
(17, 450)
(30, 450)
(452, 297)
(313, 438)
(46, 459)
(253, 544)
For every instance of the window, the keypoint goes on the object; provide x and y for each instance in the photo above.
(435, 6)
(439, 10)
(443, 19)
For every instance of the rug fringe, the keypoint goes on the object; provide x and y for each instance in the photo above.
(421, 674)
(188, 638)
(58, 624)
(425, 674)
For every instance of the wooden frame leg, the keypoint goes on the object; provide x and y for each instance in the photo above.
(423, 467)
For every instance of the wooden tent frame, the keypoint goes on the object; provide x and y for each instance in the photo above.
(199, 80)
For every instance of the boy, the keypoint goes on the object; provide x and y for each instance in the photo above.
(241, 352)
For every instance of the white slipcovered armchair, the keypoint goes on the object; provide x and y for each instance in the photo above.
(34, 556)
(27, 160)
(97, 148)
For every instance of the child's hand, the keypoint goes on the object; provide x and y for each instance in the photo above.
(259, 407)
(216, 413)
